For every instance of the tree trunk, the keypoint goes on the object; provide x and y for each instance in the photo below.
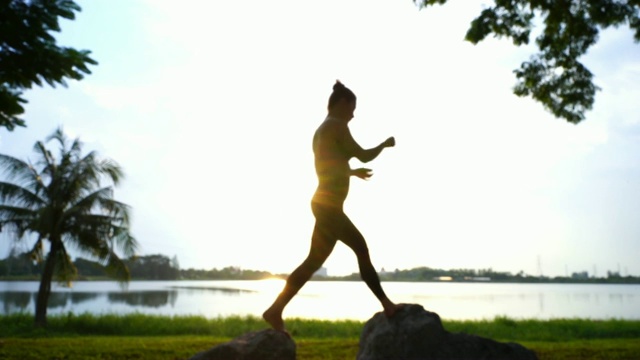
(45, 286)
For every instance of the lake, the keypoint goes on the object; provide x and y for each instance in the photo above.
(331, 300)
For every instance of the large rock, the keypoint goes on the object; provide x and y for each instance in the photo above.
(416, 334)
(258, 345)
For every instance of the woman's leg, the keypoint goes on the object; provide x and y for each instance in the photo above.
(352, 237)
(322, 244)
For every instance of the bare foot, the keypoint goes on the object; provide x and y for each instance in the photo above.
(391, 309)
(274, 318)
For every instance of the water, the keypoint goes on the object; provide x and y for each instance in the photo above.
(332, 300)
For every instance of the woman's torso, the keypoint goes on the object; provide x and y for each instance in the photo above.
(331, 163)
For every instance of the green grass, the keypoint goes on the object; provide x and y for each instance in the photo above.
(105, 347)
(610, 349)
(548, 330)
(141, 336)
(21, 325)
(183, 347)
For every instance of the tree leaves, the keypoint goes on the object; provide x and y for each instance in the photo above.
(566, 90)
(554, 76)
(29, 54)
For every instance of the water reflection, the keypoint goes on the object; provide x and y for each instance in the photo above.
(153, 299)
(21, 301)
(541, 302)
(227, 291)
(80, 297)
(15, 301)
(326, 300)
(57, 299)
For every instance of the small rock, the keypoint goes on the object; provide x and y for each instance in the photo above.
(257, 345)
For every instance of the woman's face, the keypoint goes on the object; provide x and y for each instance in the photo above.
(344, 109)
(349, 109)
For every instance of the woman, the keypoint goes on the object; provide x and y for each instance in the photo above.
(333, 147)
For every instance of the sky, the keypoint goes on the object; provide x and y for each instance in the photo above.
(210, 108)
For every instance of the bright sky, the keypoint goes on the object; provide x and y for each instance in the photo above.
(210, 107)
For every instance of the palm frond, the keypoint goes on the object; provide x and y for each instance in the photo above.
(108, 211)
(124, 241)
(76, 148)
(16, 226)
(92, 221)
(89, 202)
(60, 137)
(111, 169)
(46, 159)
(98, 223)
(12, 194)
(92, 233)
(65, 270)
(13, 167)
(8, 213)
(90, 242)
(20, 173)
(89, 168)
(81, 177)
(117, 210)
(37, 251)
(117, 269)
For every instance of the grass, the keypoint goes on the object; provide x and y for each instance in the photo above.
(183, 347)
(21, 325)
(139, 336)
(555, 330)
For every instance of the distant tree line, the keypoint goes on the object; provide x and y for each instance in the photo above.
(154, 267)
(19, 265)
(227, 273)
(148, 267)
(161, 267)
(490, 275)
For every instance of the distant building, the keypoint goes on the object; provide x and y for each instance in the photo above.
(580, 275)
(477, 278)
(322, 272)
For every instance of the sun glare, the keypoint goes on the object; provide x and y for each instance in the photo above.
(270, 285)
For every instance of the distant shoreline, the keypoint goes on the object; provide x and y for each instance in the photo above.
(633, 281)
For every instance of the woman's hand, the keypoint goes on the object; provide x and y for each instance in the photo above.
(390, 142)
(362, 173)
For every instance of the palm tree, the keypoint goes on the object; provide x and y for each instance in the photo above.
(62, 203)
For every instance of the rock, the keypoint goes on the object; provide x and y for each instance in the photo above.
(257, 345)
(416, 334)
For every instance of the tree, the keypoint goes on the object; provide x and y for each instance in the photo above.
(18, 265)
(29, 53)
(554, 76)
(63, 203)
(88, 267)
(153, 267)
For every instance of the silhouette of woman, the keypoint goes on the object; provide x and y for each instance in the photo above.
(333, 146)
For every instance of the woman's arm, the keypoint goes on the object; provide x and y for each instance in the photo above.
(352, 148)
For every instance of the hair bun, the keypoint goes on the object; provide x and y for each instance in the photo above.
(340, 92)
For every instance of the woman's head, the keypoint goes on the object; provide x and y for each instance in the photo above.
(340, 92)
(342, 100)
